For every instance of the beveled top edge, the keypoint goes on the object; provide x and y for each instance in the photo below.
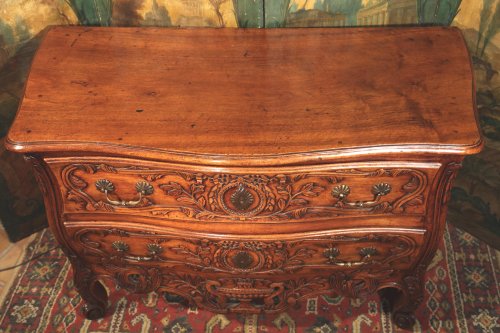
(298, 158)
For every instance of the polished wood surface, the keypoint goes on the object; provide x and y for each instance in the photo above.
(275, 96)
(248, 170)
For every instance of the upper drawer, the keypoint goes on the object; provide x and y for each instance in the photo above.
(186, 193)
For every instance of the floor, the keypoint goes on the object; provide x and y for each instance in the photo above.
(10, 255)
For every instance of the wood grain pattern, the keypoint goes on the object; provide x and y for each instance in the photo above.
(216, 95)
(245, 170)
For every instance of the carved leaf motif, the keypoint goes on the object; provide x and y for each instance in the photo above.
(411, 186)
(399, 172)
(90, 206)
(271, 201)
(298, 213)
(298, 202)
(190, 255)
(417, 201)
(71, 196)
(382, 207)
(298, 288)
(311, 189)
(186, 199)
(281, 203)
(197, 188)
(334, 180)
(299, 255)
(77, 182)
(152, 178)
(188, 211)
(299, 177)
(187, 176)
(147, 202)
(106, 168)
(163, 212)
(184, 284)
(205, 214)
(376, 173)
(100, 205)
(202, 202)
(212, 201)
(284, 189)
(172, 188)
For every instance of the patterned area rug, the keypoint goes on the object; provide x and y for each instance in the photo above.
(11, 254)
(461, 295)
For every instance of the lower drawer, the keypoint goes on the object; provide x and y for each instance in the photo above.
(256, 273)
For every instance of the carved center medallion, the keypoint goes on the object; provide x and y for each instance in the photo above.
(241, 198)
(242, 260)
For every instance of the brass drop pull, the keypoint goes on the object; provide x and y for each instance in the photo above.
(123, 249)
(120, 246)
(105, 186)
(367, 252)
(341, 192)
(154, 248)
(332, 253)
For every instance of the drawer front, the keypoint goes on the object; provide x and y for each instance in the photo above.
(221, 269)
(227, 195)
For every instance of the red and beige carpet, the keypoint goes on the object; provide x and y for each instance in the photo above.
(461, 295)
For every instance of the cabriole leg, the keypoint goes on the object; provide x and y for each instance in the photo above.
(403, 302)
(91, 290)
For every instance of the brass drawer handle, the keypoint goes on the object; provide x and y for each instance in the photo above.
(341, 192)
(332, 253)
(105, 186)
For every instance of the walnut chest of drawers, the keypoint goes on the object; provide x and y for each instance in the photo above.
(247, 169)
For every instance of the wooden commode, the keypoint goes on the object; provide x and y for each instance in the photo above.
(247, 169)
